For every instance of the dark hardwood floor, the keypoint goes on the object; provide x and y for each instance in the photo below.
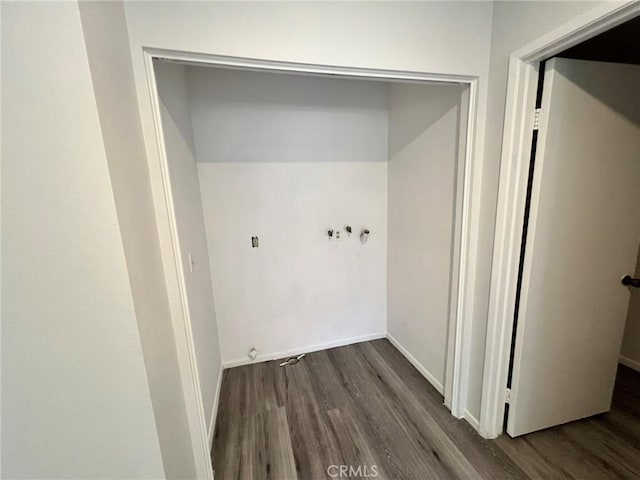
(367, 407)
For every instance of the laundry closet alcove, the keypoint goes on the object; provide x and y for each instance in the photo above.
(267, 170)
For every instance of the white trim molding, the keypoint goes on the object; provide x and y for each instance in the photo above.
(627, 362)
(176, 289)
(216, 403)
(468, 254)
(516, 149)
(473, 421)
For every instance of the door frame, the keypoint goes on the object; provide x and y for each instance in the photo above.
(514, 169)
(466, 221)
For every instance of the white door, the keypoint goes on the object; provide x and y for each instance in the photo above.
(583, 236)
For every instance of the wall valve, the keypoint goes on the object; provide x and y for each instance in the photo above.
(364, 235)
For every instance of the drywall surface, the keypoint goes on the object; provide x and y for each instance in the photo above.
(107, 45)
(183, 172)
(290, 157)
(443, 37)
(423, 156)
(242, 116)
(630, 353)
(436, 37)
(298, 289)
(514, 25)
(75, 397)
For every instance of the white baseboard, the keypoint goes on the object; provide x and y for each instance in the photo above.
(627, 362)
(265, 357)
(425, 373)
(473, 421)
(214, 413)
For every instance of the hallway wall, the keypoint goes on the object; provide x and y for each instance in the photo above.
(107, 44)
(75, 397)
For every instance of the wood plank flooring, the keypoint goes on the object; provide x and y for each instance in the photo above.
(367, 407)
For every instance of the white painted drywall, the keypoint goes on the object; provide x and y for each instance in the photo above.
(285, 157)
(243, 116)
(297, 289)
(630, 353)
(75, 398)
(438, 37)
(333, 132)
(514, 25)
(423, 155)
(178, 135)
(106, 38)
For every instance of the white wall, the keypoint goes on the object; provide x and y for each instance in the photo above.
(107, 45)
(243, 116)
(75, 398)
(423, 155)
(178, 135)
(297, 290)
(438, 37)
(285, 157)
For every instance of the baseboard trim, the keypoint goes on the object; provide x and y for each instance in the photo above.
(473, 421)
(214, 413)
(627, 362)
(265, 357)
(425, 373)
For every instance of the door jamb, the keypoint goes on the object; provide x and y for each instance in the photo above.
(462, 305)
(516, 143)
